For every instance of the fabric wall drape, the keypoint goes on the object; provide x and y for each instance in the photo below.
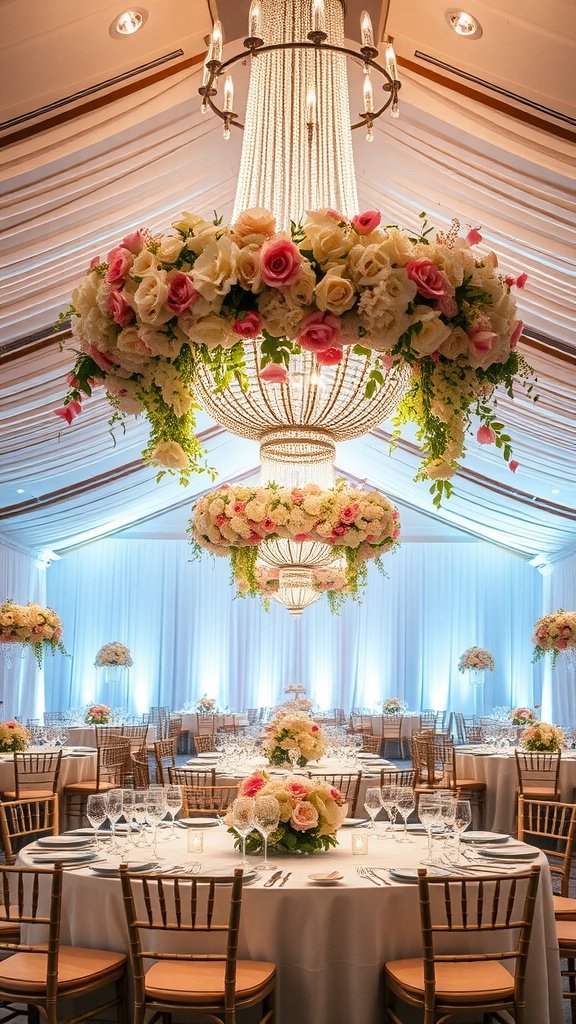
(21, 681)
(560, 682)
(188, 635)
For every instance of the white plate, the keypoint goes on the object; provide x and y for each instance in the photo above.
(352, 822)
(110, 868)
(366, 756)
(197, 822)
(63, 857)
(508, 852)
(484, 837)
(62, 842)
(416, 828)
(326, 878)
(411, 874)
(84, 750)
(250, 874)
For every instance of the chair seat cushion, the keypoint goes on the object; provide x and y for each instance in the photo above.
(26, 972)
(27, 794)
(469, 983)
(90, 786)
(566, 932)
(565, 906)
(533, 792)
(203, 982)
(470, 784)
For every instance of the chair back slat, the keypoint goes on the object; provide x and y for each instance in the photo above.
(21, 819)
(36, 771)
(554, 824)
(347, 782)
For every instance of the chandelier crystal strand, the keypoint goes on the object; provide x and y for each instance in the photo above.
(293, 176)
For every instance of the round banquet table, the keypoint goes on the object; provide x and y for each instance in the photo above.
(329, 943)
(498, 771)
(85, 736)
(74, 767)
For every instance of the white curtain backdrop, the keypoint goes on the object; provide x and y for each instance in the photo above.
(559, 703)
(188, 635)
(22, 580)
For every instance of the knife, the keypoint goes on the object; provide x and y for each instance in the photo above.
(272, 879)
(285, 879)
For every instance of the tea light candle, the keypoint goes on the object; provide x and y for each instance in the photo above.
(359, 840)
(195, 840)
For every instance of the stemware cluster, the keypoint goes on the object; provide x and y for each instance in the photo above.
(394, 800)
(141, 809)
(260, 813)
(441, 811)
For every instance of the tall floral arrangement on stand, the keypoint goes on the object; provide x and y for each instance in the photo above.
(206, 705)
(476, 659)
(555, 633)
(393, 706)
(311, 812)
(31, 624)
(293, 738)
(156, 307)
(113, 654)
(523, 716)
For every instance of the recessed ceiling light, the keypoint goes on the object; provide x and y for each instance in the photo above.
(129, 22)
(20, 490)
(464, 24)
(555, 490)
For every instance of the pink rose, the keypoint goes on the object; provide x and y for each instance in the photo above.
(119, 262)
(300, 537)
(268, 525)
(330, 357)
(482, 339)
(133, 242)
(252, 786)
(249, 326)
(182, 293)
(297, 495)
(387, 362)
(319, 332)
(70, 411)
(336, 795)
(304, 816)
(274, 373)
(297, 790)
(121, 313)
(366, 222)
(100, 358)
(239, 507)
(429, 281)
(339, 531)
(516, 334)
(513, 465)
(279, 263)
(485, 435)
(348, 514)
(473, 237)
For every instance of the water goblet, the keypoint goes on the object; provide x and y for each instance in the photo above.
(266, 818)
(243, 822)
(128, 814)
(96, 814)
(447, 814)
(429, 810)
(373, 804)
(113, 803)
(462, 818)
(173, 796)
(155, 811)
(139, 797)
(405, 802)
(388, 797)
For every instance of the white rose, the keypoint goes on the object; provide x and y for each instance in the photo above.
(213, 331)
(330, 243)
(456, 344)
(169, 454)
(397, 247)
(97, 330)
(368, 264)
(170, 248)
(130, 340)
(301, 293)
(432, 333)
(150, 297)
(280, 318)
(335, 293)
(215, 269)
(254, 226)
(248, 268)
(144, 264)
(205, 234)
(398, 288)
(158, 342)
(84, 296)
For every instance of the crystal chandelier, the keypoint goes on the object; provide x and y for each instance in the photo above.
(296, 591)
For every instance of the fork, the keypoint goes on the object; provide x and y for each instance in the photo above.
(365, 873)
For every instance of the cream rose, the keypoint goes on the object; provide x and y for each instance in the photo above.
(170, 248)
(432, 333)
(335, 293)
(329, 243)
(213, 331)
(368, 264)
(215, 269)
(169, 454)
(130, 340)
(301, 293)
(397, 247)
(144, 264)
(150, 298)
(205, 233)
(248, 268)
(159, 343)
(84, 296)
(438, 469)
(456, 344)
(254, 226)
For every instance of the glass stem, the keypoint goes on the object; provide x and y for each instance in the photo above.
(430, 842)
(265, 851)
(244, 862)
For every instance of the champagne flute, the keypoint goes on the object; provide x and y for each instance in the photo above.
(429, 809)
(173, 796)
(462, 818)
(96, 814)
(406, 803)
(373, 804)
(266, 818)
(243, 822)
(127, 814)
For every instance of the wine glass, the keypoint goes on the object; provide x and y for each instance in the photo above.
(243, 821)
(155, 811)
(127, 813)
(293, 757)
(96, 814)
(139, 797)
(429, 810)
(266, 818)
(405, 802)
(462, 818)
(373, 804)
(113, 804)
(173, 795)
(388, 798)
(447, 815)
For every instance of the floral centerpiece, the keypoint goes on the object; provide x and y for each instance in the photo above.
(393, 706)
(206, 705)
(292, 737)
(98, 714)
(113, 654)
(311, 812)
(31, 624)
(476, 659)
(234, 521)
(543, 737)
(555, 633)
(523, 716)
(13, 736)
(144, 317)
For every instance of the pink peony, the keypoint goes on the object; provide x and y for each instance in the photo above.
(304, 816)
(133, 242)
(473, 237)
(121, 313)
(182, 293)
(331, 357)
(252, 786)
(119, 262)
(339, 531)
(297, 790)
(248, 326)
(70, 411)
(274, 373)
(485, 435)
(429, 281)
(100, 358)
(319, 332)
(366, 222)
(280, 263)
(239, 508)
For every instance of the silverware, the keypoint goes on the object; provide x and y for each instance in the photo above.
(374, 872)
(364, 873)
(273, 878)
(285, 879)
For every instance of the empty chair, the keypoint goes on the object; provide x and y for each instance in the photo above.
(474, 733)
(211, 983)
(392, 733)
(538, 774)
(111, 765)
(437, 769)
(104, 733)
(205, 725)
(349, 785)
(371, 744)
(427, 719)
(191, 777)
(397, 777)
(164, 758)
(551, 826)
(207, 799)
(23, 820)
(44, 974)
(451, 978)
(204, 744)
(137, 735)
(140, 768)
(35, 776)
(158, 718)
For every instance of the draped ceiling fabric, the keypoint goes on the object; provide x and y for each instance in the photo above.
(71, 192)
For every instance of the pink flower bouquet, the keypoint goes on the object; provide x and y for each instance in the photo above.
(293, 738)
(522, 716)
(476, 659)
(555, 633)
(543, 737)
(97, 714)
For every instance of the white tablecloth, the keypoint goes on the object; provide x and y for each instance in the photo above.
(329, 944)
(85, 735)
(498, 771)
(410, 724)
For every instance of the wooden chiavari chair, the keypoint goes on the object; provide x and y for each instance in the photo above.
(392, 733)
(371, 744)
(140, 767)
(397, 777)
(192, 777)
(347, 782)
(538, 774)
(111, 766)
(551, 826)
(207, 800)
(205, 744)
(35, 776)
(164, 758)
(23, 820)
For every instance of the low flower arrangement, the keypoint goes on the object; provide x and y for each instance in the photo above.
(476, 659)
(393, 706)
(113, 654)
(31, 624)
(293, 732)
(555, 633)
(144, 317)
(523, 716)
(206, 705)
(311, 812)
(234, 521)
(98, 714)
(543, 737)
(13, 737)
